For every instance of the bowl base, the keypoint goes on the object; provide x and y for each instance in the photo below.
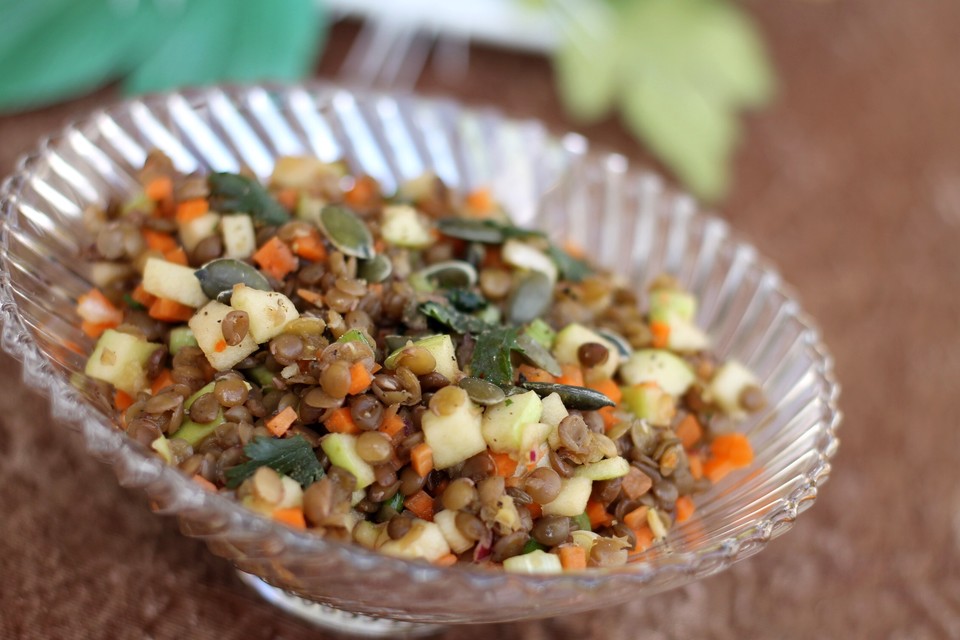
(332, 619)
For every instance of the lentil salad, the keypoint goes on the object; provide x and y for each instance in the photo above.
(411, 372)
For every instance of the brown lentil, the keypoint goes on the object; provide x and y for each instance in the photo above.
(509, 545)
(373, 446)
(286, 348)
(592, 354)
(459, 494)
(470, 525)
(551, 530)
(335, 379)
(410, 481)
(231, 392)
(205, 409)
(399, 526)
(542, 484)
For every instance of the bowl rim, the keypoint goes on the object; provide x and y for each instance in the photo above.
(68, 404)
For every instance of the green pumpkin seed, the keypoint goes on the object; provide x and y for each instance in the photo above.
(376, 269)
(579, 398)
(537, 355)
(618, 340)
(217, 278)
(348, 233)
(530, 299)
(482, 392)
(450, 274)
(471, 230)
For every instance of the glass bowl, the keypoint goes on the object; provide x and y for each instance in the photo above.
(624, 216)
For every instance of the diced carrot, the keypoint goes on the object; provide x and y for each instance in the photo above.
(160, 188)
(716, 470)
(696, 465)
(421, 459)
(598, 514)
(122, 400)
(446, 560)
(291, 516)
(340, 421)
(95, 308)
(609, 415)
(573, 557)
(279, 423)
(685, 508)
(505, 465)
(176, 256)
(608, 388)
(660, 332)
(158, 241)
(574, 249)
(733, 448)
(312, 297)
(168, 310)
(203, 482)
(140, 295)
(644, 538)
(689, 431)
(637, 518)
(220, 346)
(360, 378)
(363, 193)
(535, 509)
(276, 258)
(534, 374)
(376, 367)
(572, 375)
(95, 329)
(392, 425)
(287, 198)
(310, 247)
(479, 202)
(421, 504)
(191, 209)
(161, 381)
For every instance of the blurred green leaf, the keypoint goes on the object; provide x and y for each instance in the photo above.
(679, 70)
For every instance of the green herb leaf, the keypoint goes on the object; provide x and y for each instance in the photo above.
(491, 355)
(570, 268)
(466, 300)
(445, 314)
(292, 457)
(230, 193)
(483, 231)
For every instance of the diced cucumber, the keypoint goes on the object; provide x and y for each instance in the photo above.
(504, 423)
(534, 562)
(424, 540)
(446, 520)
(207, 327)
(403, 227)
(727, 385)
(195, 432)
(239, 238)
(443, 352)
(667, 305)
(261, 375)
(341, 448)
(651, 403)
(121, 359)
(354, 335)
(572, 337)
(181, 337)
(456, 436)
(174, 282)
(193, 231)
(541, 332)
(604, 469)
(572, 499)
(667, 370)
(269, 311)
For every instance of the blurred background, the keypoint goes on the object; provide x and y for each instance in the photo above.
(824, 131)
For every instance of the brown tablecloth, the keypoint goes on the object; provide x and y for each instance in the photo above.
(851, 181)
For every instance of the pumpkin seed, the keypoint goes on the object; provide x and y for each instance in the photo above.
(450, 274)
(471, 230)
(530, 299)
(347, 232)
(573, 397)
(217, 278)
(538, 356)
(476, 254)
(482, 392)
(376, 269)
(621, 343)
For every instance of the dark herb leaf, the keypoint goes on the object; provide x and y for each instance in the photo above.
(133, 304)
(457, 320)
(466, 300)
(231, 193)
(293, 457)
(491, 355)
(570, 268)
(580, 398)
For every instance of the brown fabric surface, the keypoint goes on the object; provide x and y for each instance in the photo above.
(851, 182)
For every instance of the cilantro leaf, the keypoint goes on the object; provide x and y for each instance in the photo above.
(293, 457)
(445, 314)
(491, 355)
(230, 192)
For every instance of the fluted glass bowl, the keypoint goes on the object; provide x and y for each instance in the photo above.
(625, 217)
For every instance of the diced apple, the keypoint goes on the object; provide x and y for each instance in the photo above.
(269, 311)
(504, 423)
(206, 325)
(568, 342)
(446, 520)
(424, 540)
(537, 561)
(668, 371)
(403, 227)
(121, 359)
(341, 448)
(239, 239)
(728, 383)
(604, 469)
(572, 499)
(456, 436)
(174, 282)
(553, 413)
(193, 231)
